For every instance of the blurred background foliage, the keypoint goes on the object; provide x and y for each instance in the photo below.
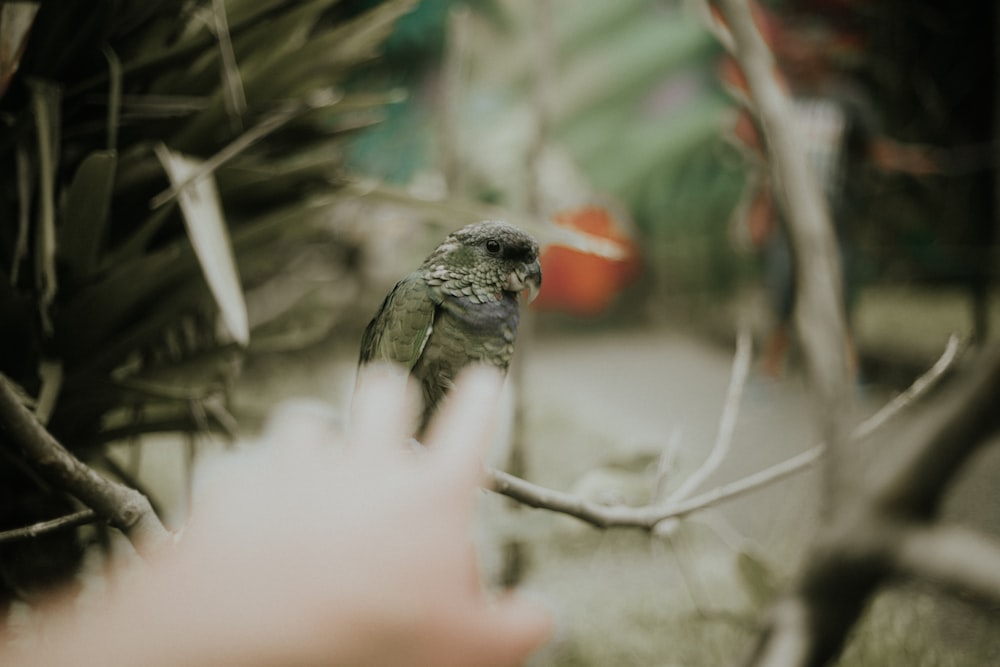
(634, 117)
(636, 107)
(340, 139)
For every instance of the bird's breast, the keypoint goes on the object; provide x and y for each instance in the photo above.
(488, 318)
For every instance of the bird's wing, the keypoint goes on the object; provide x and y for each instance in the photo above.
(400, 329)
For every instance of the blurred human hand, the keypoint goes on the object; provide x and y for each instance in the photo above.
(308, 553)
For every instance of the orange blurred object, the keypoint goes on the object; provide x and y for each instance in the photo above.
(581, 283)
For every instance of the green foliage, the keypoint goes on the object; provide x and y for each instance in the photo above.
(158, 158)
(237, 94)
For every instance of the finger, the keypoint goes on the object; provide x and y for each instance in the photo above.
(462, 431)
(383, 410)
(510, 631)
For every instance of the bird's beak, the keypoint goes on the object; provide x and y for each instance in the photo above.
(528, 277)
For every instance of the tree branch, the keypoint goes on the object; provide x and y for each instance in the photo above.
(911, 479)
(646, 517)
(42, 527)
(880, 532)
(727, 423)
(819, 312)
(124, 508)
(955, 558)
(919, 387)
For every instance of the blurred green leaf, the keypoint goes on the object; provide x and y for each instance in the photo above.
(24, 187)
(325, 58)
(45, 104)
(256, 46)
(185, 298)
(51, 374)
(647, 147)
(125, 291)
(267, 125)
(623, 66)
(132, 248)
(88, 204)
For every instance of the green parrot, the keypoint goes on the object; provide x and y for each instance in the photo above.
(460, 306)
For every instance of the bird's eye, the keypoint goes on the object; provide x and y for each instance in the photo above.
(492, 246)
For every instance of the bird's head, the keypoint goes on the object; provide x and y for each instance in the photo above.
(485, 259)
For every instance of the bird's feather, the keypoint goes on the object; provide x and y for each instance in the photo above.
(402, 325)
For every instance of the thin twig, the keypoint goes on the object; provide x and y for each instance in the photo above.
(727, 423)
(665, 465)
(235, 96)
(645, 517)
(42, 527)
(887, 530)
(919, 387)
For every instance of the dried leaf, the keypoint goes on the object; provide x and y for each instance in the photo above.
(202, 212)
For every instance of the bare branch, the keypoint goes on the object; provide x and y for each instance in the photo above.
(819, 313)
(645, 517)
(878, 532)
(788, 639)
(41, 528)
(124, 508)
(956, 558)
(930, 448)
(605, 516)
(727, 423)
(919, 387)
